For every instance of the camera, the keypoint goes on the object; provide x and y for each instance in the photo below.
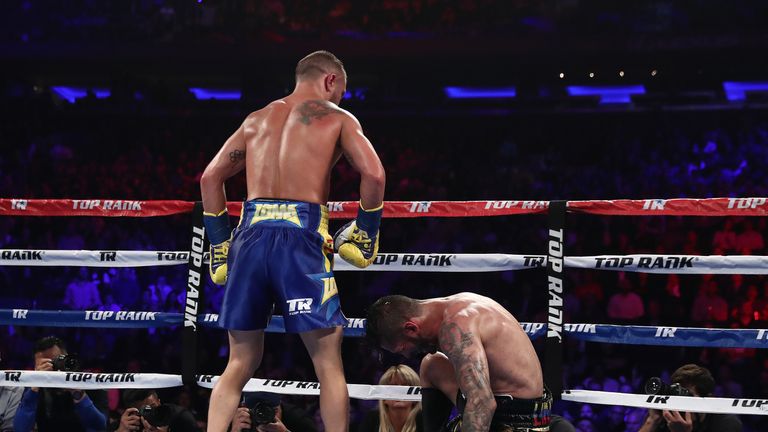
(158, 416)
(66, 363)
(655, 386)
(262, 413)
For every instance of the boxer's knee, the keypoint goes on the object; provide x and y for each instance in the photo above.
(436, 371)
(432, 367)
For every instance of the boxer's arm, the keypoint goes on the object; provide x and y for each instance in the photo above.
(465, 351)
(363, 158)
(229, 161)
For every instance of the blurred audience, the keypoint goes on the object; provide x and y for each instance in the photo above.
(534, 157)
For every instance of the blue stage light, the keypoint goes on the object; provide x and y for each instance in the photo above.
(608, 94)
(102, 93)
(480, 92)
(70, 94)
(356, 93)
(216, 94)
(736, 91)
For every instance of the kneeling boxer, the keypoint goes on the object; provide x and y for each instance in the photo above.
(478, 359)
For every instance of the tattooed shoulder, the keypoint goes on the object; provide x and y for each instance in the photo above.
(316, 109)
(454, 339)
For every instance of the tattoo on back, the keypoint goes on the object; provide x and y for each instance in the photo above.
(315, 109)
(236, 156)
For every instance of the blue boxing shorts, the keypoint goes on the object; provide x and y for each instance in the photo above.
(281, 253)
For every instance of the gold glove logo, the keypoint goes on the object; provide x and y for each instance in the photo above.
(286, 212)
(329, 289)
(361, 238)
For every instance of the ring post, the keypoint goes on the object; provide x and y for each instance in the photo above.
(194, 296)
(553, 349)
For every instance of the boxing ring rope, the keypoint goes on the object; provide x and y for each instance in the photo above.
(88, 381)
(336, 210)
(93, 380)
(355, 327)
(403, 209)
(410, 262)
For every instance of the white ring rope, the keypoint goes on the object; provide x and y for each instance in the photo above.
(383, 261)
(408, 262)
(676, 403)
(92, 380)
(89, 380)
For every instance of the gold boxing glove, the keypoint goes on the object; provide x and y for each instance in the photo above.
(219, 232)
(357, 242)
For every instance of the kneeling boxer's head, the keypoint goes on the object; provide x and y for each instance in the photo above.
(391, 325)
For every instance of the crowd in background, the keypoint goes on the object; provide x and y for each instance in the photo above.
(540, 157)
(230, 22)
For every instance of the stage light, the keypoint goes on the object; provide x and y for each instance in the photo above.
(215, 94)
(71, 94)
(355, 93)
(737, 91)
(480, 92)
(562, 75)
(608, 94)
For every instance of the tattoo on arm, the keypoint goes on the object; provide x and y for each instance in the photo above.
(316, 109)
(472, 374)
(236, 156)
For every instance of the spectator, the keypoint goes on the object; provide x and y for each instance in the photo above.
(633, 419)
(599, 381)
(145, 410)
(727, 386)
(260, 407)
(749, 241)
(59, 409)
(709, 306)
(725, 238)
(83, 292)
(625, 305)
(395, 416)
(585, 425)
(747, 309)
(699, 382)
(10, 397)
(125, 287)
(159, 291)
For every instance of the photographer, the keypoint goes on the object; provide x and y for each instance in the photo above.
(265, 412)
(56, 409)
(10, 397)
(697, 381)
(145, 412)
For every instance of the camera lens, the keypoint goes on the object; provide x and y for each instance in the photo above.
(157, 416)
(67, 363)
(678, 390)
(654, 385)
